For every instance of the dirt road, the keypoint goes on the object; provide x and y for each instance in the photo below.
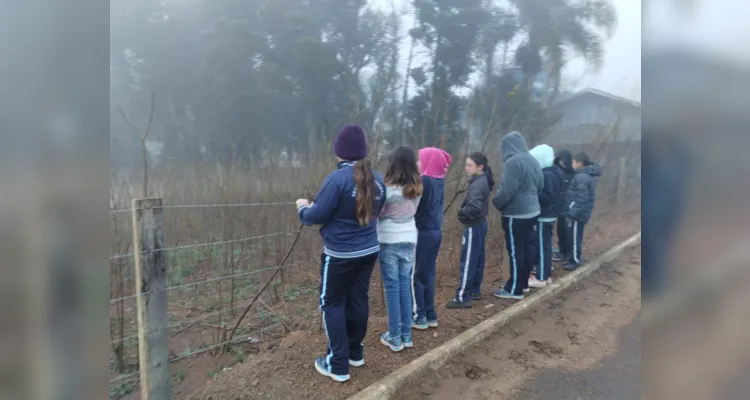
(583, 345)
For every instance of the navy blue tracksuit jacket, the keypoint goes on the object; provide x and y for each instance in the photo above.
(349, 255)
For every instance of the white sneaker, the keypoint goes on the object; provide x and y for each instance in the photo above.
(536, 283)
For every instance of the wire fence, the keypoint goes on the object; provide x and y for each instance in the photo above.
(241, 272)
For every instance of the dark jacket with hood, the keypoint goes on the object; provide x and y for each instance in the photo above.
(579, 199)
(521, 182)
(474, 209)
(566, 174)
(552, 197)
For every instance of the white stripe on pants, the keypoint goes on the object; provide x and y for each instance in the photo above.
(513, 256)
(541, 251)
(575, 242)
(466, 266)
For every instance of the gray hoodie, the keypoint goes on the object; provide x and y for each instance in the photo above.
(522, 180)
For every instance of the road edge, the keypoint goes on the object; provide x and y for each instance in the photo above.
(439, 356)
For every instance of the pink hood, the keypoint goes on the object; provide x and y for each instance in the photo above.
(434, 162)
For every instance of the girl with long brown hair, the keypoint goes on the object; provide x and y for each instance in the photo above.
(347, 207)
(397, 233)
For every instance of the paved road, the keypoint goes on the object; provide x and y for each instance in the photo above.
(615, 378)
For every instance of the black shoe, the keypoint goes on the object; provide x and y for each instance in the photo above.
(571, 267)
(558, 257)
(477, 297)
(457, 304)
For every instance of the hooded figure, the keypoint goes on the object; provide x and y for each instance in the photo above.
(434, 164)
(579, 204)
(552, 197)
(581, 193)
(521, 181)
(518, 201)
(564, 165)
(551, 201)
(564, 161)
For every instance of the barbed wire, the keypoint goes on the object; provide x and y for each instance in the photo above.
(179, 325)
(236, 339)
(173, 206)
(190, 246)
(210, 280)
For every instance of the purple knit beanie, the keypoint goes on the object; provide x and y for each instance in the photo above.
(351, 144)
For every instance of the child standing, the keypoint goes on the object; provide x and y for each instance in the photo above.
(473, 215)
(434, 164)
(518, 201)
(550, 202)
(397, 234)
(564, 164)
(579, 200)
(347, 205)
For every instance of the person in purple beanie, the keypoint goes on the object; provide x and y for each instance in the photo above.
(347, 207)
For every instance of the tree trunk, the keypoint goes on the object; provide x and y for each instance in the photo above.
(405, 96)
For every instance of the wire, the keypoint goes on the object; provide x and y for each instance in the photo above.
(169, 288)
(206, 206)
(190, 246)
(236, 339)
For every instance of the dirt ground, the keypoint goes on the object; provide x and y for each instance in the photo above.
(268, 374)
(570, 334)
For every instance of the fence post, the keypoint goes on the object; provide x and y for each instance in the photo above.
(621, 186)
(151, 282)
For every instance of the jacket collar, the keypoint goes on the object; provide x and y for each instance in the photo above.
(475, 177)
(343, 164)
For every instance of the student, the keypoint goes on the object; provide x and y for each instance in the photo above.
(347, 207)
(518, 201)
(579, 203)
(473, 215)
(397, 233)
(434, 164)
(564, 163)
(551, 201)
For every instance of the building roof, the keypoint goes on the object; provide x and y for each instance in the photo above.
(597, 93)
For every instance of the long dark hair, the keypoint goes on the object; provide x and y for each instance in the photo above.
(364, 181)
(481, 159)
(402, 171)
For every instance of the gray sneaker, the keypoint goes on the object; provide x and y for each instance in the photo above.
(420, 324)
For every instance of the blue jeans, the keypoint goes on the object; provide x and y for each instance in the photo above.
(396, 265)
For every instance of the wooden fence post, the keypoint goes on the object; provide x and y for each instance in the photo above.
(621, 186)
(151, 282)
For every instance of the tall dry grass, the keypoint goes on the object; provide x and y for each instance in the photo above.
(202, 314)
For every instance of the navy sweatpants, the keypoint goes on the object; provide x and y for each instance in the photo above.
(575, 241)
(428, 246)
(562, 237)
(344, 301)
(518, 233)
(541, 248)
(472, 261)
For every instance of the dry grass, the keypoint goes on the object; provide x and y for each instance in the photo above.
(202, 313)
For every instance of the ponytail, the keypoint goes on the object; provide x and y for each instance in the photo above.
(481, 159)
(364, 181)
(490, 178)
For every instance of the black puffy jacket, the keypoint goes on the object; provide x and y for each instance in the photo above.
(579, 199)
